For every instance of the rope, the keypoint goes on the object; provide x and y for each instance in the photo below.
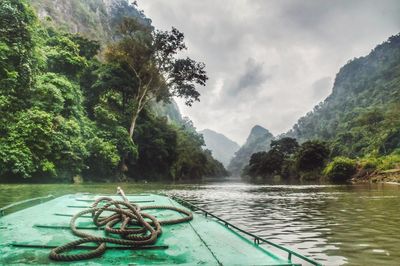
(136, 228)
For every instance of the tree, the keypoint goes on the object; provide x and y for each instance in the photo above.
(17, 54)
(157, 147)
(286, 145)
(390, 143)
(256, 161)
(87, 48)
(312, 155)
(371, 120)
(148, 55)
(63, 56)
(266, 163)
(273, 162)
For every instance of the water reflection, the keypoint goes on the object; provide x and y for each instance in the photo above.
(337, 225)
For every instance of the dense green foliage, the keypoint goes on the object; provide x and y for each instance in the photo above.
(312, 155)
(63, 113)
(286, 146)
(265, 163)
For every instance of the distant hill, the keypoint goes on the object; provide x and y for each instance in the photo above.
(221, 146)
(362, 115)
(259, 139)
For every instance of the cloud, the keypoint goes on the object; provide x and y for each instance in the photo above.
(270, 62)
(250, 81)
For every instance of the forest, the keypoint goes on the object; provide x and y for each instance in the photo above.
(74, 109)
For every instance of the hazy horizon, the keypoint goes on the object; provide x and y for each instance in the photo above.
(270, 62)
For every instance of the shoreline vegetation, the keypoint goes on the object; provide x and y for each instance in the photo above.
(313, 161)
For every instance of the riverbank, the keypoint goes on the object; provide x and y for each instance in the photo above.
(391, 176)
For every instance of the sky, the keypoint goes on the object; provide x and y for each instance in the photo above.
(270, 62)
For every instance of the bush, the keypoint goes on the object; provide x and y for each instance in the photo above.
(340, 169)
(369, 163)
(389, 162)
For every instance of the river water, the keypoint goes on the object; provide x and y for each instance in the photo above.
(334, 224)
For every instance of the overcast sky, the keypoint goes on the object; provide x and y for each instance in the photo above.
(270, 62)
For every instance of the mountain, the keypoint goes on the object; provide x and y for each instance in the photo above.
(362, 115)
(258, 140)
(221, 146)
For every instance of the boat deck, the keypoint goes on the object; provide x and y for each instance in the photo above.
(27, 236)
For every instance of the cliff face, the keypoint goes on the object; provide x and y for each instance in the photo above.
(169, 110)
(95, 19)
(258, 140)
(221, 146)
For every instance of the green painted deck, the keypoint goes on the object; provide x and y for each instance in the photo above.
(202, 241)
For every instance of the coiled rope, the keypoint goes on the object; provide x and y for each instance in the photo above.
(135, 229)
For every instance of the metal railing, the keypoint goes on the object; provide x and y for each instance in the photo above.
(41, 199)
(257, 240)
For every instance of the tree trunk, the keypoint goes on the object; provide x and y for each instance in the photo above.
(140, 104)
(124, 158)
(123, 167)
(133, 122)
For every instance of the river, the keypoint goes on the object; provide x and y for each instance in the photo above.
(334, 224)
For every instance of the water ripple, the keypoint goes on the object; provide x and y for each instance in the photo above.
(337, 225)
